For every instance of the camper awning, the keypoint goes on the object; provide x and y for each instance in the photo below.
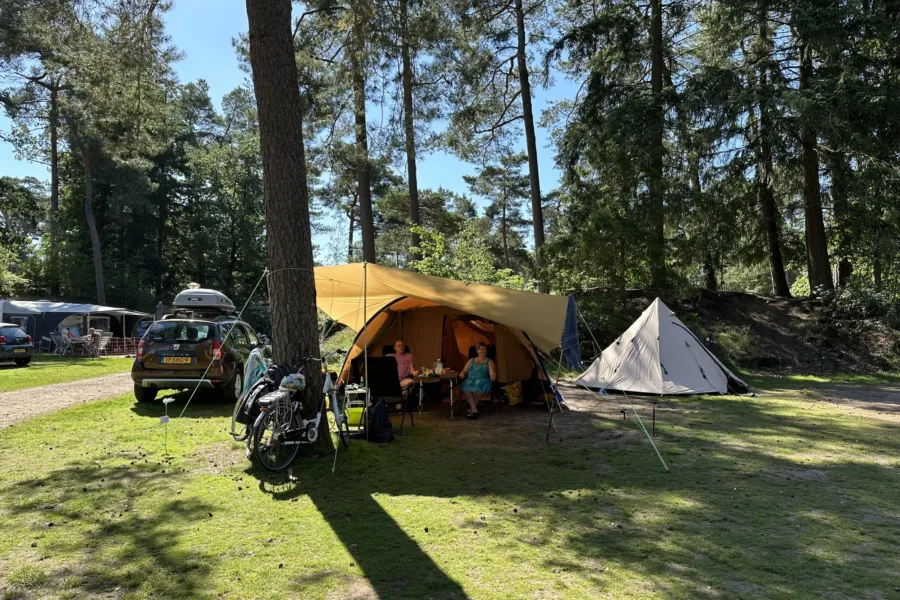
(34, 307)
(11, 307)
(351, 293)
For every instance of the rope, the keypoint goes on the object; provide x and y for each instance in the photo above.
(227, 334)
(640, 423)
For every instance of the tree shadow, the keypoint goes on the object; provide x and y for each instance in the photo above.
(731, 519)
(204, 405)
(110, 545)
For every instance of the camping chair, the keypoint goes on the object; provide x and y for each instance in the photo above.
(88, 345)
(384, 385)
(104, 342)
(46, 344)
(496, 389)
(408, 392)
(62, 344)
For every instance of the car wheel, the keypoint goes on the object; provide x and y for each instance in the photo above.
(232, 391)
(23, 362)
(142, 394)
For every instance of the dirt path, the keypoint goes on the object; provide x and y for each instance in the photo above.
(23, 404)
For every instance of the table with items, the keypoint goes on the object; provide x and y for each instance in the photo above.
(431, 376)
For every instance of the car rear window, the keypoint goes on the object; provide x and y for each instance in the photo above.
(12, 332)
(181, 331)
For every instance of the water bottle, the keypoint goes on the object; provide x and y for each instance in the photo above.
(439, 367)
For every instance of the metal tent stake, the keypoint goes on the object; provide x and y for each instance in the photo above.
(165, 420)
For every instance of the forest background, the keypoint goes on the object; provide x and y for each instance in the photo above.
(565, 146)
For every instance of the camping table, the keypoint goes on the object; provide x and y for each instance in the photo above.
(451, 376)
(364, 392)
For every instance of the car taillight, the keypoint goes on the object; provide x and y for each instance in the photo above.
(140, 351)
(2, 339)
(28, 338)
(217, 350)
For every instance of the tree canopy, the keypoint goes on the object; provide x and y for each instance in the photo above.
(746, 145)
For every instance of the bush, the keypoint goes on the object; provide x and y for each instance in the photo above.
(800, 287)
(739, 345)
(857, 304)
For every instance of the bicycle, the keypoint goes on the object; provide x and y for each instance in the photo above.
(280, 430)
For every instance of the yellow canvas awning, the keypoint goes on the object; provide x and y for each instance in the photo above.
(351, 293)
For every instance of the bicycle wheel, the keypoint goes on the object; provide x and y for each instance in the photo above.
(268, 446)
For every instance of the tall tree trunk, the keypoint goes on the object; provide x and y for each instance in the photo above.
(232, 256)
(709, 270)
(655, 183)
(764, 168)
(709, 265)
(503, 230)
(408, 123)
(54, 189)
(292, 290)
(840, 175)
(816, 243)
(352, 214)
(537, 210)
(363, 173)
(876, 271)
(163, 215)
(97, 251)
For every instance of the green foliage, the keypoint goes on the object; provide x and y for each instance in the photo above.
(800, 287)
(506, 188)
(464, 257)
(855, 304)
(739, 345)
(10, 282)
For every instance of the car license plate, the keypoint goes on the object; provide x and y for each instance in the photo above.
(19, 351)
(177, 360)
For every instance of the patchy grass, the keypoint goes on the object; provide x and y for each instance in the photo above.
(787, 495)
(799, 380)
(47, 369)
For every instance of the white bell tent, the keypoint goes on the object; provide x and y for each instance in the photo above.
(659, 355)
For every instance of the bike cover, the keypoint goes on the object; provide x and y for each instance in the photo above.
(254, 369)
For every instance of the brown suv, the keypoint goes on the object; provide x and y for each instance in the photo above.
(176, 352)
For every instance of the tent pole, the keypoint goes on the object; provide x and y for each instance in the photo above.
(366, 344)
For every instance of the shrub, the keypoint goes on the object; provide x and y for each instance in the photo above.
(856, 304)
(739, 344)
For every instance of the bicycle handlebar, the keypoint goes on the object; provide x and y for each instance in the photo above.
(322, 359)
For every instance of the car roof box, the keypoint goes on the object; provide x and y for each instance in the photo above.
(198, 298)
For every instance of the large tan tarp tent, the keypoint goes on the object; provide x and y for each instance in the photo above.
(659, 355)
(440, 318)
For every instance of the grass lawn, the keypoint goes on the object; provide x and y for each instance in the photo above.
(793, 494)
(46, 369)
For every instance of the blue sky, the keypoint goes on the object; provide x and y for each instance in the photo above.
(203, 30)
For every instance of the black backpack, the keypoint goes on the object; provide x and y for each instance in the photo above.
(269, 382)
(379, 424)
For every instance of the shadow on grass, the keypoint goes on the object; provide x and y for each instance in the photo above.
(206, 404)
(114, 547)
(730, 520)
(752, 508)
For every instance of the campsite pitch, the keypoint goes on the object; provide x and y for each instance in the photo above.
(47, 370)
(789, 495)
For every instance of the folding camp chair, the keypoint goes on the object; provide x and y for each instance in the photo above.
(384, 385)
(104, 342)
(61, 344)
(496, 389)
